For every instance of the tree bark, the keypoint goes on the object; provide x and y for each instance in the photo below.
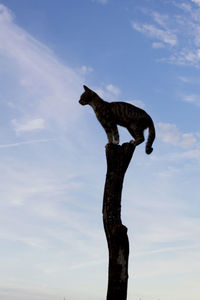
(118, 158)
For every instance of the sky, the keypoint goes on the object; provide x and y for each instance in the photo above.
(53, 166)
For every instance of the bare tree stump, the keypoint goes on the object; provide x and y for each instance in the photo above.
(118, 158)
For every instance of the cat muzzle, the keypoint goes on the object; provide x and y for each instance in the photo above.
(82, 102)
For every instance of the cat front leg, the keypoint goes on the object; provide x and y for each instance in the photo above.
(115, 135)
(109, 134)
(110, 137)
(112, 134)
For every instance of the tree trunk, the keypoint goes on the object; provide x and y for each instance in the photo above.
(118, 158)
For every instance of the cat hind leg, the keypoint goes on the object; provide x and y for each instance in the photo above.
(138, 136)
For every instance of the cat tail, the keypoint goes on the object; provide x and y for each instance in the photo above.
(151, 138)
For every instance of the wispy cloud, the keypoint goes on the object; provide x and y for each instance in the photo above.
(28, 125)
(165, 36)
(179, 32)
(184, 79)
(157, 45)
(194, 99)
(44, 85)
(113, 89)
(169, 133)
(109, 91)
(100, 1)
(85, 70)
(186, 56)
(196, 1)
(138, 103)
(25, 143)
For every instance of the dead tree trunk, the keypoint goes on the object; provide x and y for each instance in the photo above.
(118, 158)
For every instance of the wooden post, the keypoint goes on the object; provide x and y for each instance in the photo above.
(118, 158)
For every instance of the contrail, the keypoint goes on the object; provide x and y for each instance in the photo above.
(26, 143)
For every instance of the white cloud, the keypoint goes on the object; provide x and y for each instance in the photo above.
(113, 89)
(188, 140)
(180, 31)
(196, 1)
(194, 99)
(164, 35)
(108, 91)
(46, 87)
(100, 1)
(158, 45)
(169, 133)
(138, 103)
(28, 125)
(185, 6)
(5, 13)
(186, 56)
(192, 154)
(160, 19)
(184, 79)
(85, 70)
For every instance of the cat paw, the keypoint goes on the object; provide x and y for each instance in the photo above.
(149, 150)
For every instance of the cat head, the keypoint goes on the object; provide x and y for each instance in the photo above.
(86, 97)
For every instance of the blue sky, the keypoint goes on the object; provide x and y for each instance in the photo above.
(147, 52)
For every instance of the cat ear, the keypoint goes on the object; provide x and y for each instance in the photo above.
(87, 89)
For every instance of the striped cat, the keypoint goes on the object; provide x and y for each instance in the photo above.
(111, 114)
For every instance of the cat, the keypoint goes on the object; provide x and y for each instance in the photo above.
(111, 114)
